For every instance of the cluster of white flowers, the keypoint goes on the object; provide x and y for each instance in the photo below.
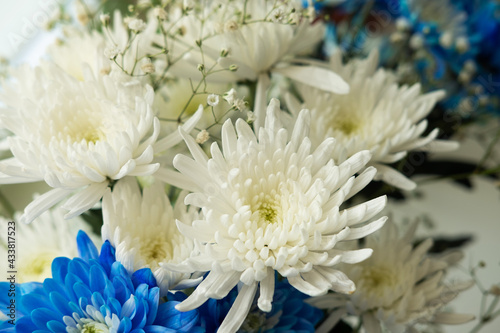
(265, 191)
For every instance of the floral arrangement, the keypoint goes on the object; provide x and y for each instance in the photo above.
(233, 161)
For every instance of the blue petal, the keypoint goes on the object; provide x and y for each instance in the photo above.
(98, 278)
(158, 329)
(107, 256)
(82, 290)
(153, 299)
(60, 303)
(80, 268)
(125, 325)
(25, 325)
(56, 326)
(144, 275)
(97, 300)
(32, 302)
(86, 249)
(60, 269)
(129, 308)
(169, 317)
(42, 316)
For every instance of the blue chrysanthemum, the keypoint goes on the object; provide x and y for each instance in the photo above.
(95, 293)
(289, 313)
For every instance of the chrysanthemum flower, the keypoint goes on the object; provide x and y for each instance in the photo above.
(78, 136)
(377, 115)
(41, 243)
(398, 287)
(271, 204)
(143, 230)
(78, 48)
(256, 38)
(96, 294)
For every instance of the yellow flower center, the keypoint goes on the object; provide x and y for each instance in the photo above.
(37, 268)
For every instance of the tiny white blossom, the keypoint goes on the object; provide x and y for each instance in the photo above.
(240, 104)
(213, 100)
(112, 52)
(202, 137)
(230, 96)
(136, 25)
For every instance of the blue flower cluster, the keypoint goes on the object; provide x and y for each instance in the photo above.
(94, 293)
(451, 44)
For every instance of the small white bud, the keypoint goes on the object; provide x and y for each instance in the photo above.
(397, 37)
(250, 117)
(137, 25)
(213, 100)
(446, 40)
(417, 41)
(202, 137)
(148, 67)
(464, 77)
(230, 26)
(402, 24)
(160, 13)
(470, 66)
(104, 19)
(462, 44)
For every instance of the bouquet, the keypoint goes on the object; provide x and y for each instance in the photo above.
(230, 166)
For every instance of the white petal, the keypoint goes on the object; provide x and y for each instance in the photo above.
(317, 77)
(85, 199)
(43, 203)
(239, 309)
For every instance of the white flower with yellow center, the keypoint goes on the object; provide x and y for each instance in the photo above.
(39, 243)
(142, 229)
(271, 204)
(78, 137)
(376, 115)
(251, 40)
(79, 48)
(398, 287)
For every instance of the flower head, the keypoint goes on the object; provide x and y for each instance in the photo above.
(95, 293)
(398, 287)
(76, 136)
(376, 115)
(142, 229)
(271, 204)
(42, 242)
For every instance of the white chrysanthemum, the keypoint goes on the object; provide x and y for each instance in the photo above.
(270, 203)
(398, 287)
(79, 48)
(77, 136)
(377, 114)
(39, 243)
(143, 231)
(265, 41)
